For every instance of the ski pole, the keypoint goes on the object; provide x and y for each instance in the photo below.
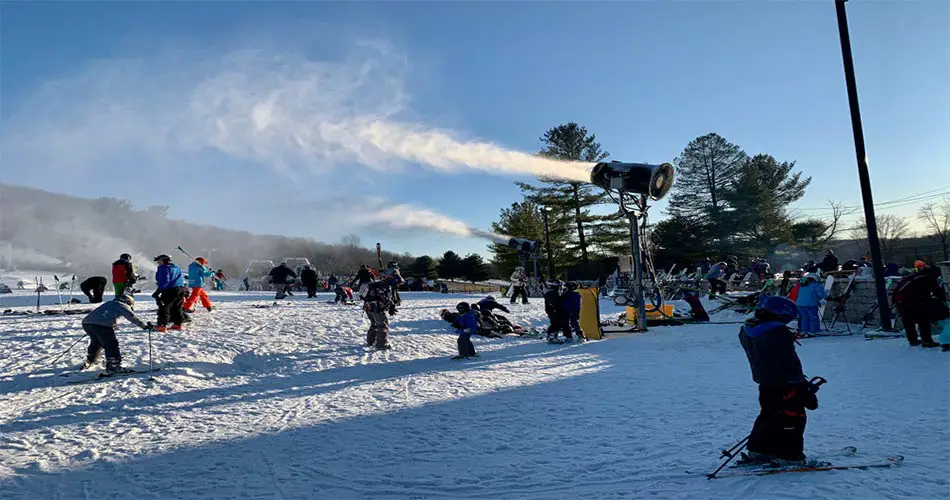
(182, 250)
(70, 348)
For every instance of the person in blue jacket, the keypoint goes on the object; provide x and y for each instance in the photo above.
(170, 294)
(197, 273)
(571, 301)
(810, 294)
(714, 276)
(468, 325)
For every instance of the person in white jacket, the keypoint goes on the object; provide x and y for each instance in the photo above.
(519, 284)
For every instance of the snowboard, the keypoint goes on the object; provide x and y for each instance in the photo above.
(829, 284)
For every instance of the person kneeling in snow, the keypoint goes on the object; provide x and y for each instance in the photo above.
(784, 393)
(100, 325)
(343, 294)
(468, 324)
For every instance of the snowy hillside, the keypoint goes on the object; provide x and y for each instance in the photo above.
(285, 402)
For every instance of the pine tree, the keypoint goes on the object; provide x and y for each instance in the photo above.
(525, 220)
(450, 266)
(474, 268)
(570, 201)
(423, 267)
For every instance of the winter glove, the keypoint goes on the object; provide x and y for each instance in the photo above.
(803, 394)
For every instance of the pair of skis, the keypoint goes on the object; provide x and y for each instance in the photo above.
(811, 466)
(103, 376)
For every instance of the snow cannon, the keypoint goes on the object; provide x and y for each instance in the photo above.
(635, 178)
(523, 245)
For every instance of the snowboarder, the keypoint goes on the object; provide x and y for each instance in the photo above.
(123, 274)
(309, 279)
(377, 303)
(571, 303)
(714, 277)
(554, 307)
(468, 325)
(283, 279)
(920, 300)
(100, 325)
(810, 294)
(170, 294)
(93, 288)
(519, 283)
(197, 272)
(784, 393)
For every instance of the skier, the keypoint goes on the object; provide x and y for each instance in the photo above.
(93, 288)
(714, 277)
(100, 325)
(197, 272)
(468, 325)
(554, 308)
(170, 294)
(219, 279)
(377, 303)
(392, 276)
(519, 283)
(123, 274)
(920, 300)
(784, 393)
(343, 294)
(489, 304)
(810, 294)
(571, 303)
(309, 279)
(283, 279)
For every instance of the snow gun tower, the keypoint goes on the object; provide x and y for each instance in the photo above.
(632, 185)
(527, 249)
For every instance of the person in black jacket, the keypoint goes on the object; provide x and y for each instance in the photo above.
(309, 279)
(93, 288)
(283, 279)
(829, 263)
(920, 300)
(557, 314)
(784, 393)
(363, 276)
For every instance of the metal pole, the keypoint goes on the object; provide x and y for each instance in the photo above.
(547, 241)
(636, 280)
(859, 149)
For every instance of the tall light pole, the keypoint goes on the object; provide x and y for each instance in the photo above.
(863, 175)
(547, 241)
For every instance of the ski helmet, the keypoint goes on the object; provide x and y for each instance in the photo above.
(490, 297)
(126, 298)
(774, 307)
(463, 307)
(163, 258)
(201, 260)
(125, 256)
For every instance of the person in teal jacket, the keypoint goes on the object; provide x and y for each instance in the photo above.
(810, 294)
(197, 273)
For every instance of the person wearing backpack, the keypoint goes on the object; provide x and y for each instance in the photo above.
(378, 304)
(921, 300)
(123, 274)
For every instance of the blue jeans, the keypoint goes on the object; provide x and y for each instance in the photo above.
(810, 321)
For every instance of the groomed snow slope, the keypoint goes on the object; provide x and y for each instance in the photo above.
(285, 402)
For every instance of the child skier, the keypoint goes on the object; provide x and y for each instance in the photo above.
(170, 293)
(100, 325)
(343, 294)
(377, 303)
(468, 325)
(571, 302)
(219, 279)
(784, 394)
(714, 277)
(197, 272)
(810, 294)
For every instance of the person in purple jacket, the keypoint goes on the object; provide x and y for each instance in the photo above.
(468, 324)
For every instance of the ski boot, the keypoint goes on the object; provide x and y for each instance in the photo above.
(211, 308)
(751, 458)
(189, 311)
(945, 348)
(91, 360)
(161, 328)
(929, 343)
(114, 367)
(384, 347)
(177, 328)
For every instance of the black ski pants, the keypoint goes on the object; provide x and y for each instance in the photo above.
(779, 430)
(311, 290)
(170, 302)
(519, 291)
(466, 347)
(101, 337)
(559, 323)
(916, 319)
(716, 286)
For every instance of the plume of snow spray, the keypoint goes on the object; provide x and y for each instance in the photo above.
(409, 217)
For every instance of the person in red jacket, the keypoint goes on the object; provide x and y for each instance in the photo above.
(123, 274)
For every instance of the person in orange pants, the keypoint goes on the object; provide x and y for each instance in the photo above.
(197, 272)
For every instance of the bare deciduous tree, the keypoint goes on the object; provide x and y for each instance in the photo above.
(936, 218)
(891, 229)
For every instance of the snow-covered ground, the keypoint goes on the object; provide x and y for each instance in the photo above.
(285, 402)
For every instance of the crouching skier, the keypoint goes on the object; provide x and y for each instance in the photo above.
(784, 394)
(100, 325)
(377, 303)
(468, 324)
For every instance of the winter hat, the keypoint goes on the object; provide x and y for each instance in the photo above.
(125, 256)
(919, 264)
(163, 258)
(490, 297)
(463, 307)
(774, 307)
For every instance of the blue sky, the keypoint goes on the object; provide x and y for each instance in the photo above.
(130, 99)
